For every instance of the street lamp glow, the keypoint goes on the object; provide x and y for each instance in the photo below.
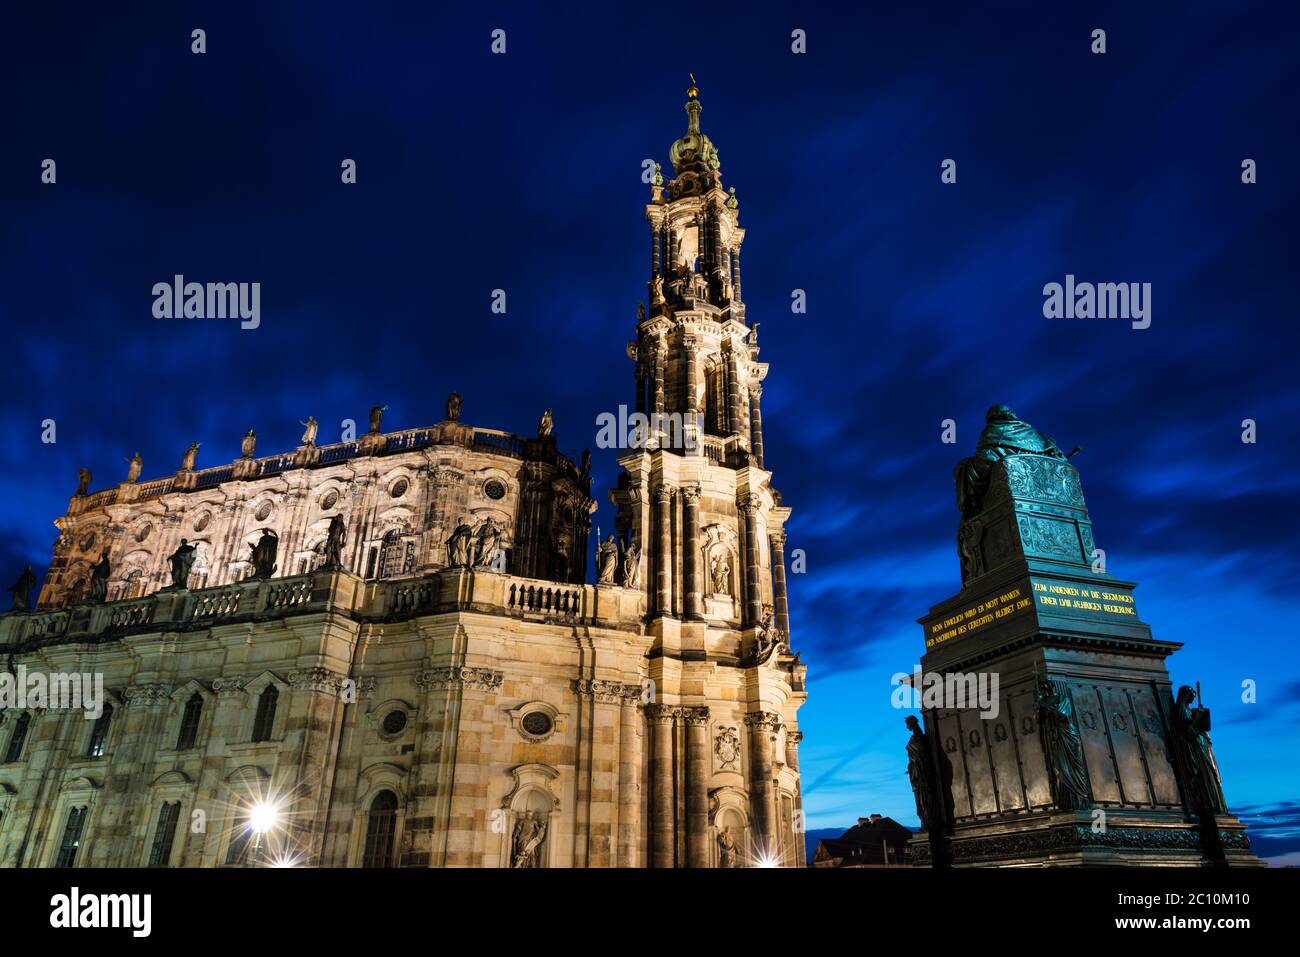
(263, 817)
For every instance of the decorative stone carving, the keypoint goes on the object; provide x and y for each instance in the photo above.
(920, 774)
(726, 748)
(146, 695)
(182, 562)
(316, 680)
(444, 678)
(606, 561)
(1062, 746)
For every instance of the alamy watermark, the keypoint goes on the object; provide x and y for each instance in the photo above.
(213, 300)
(21, 689)
(658, 430)
(1102, 300)
(930, 689)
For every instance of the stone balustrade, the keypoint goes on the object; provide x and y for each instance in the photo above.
(458, 589)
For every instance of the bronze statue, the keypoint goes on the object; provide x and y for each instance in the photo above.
(453, 406)
(1192, 731)
(83, 481)
(134, 465)
(249, 445)
(187, 461)
(99, 579)
(182, 561)
(545, 426)
(920, 775)
(1004, 434)
(311, 428)
(21, 590)
(335, 538)
(263, 556)
(1062, 746)
(458, 546)
(606, 561)
(376, 416)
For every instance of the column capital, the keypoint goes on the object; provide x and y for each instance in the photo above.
(442, 679)
(229, 687)
(147, 695)
(695, 717)
(768, 721)
(777, 537)
(663, 493)
(691, 493)
(793, 739)
(747, 503)
(661, 713)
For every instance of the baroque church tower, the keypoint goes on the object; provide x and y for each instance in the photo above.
(697, 509)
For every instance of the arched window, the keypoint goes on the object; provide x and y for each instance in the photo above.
(380, 829)
(71, 837)
(77, 592)
(264, 720)
(164, 835)
(18, 738)
(99, 734)
(392, 555)
(189, 732)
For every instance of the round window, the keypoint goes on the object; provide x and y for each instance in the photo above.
(494, 489)
(88, 541)
(329, 499)
(201, 522)
(395, 722)
(264, 511)
(399, 488)
(143, 533)
(538, 724)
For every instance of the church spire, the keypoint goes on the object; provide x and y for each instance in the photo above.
(694, 153)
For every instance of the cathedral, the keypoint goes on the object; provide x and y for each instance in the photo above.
(387, 652)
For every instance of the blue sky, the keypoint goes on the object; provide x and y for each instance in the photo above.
(522, 172)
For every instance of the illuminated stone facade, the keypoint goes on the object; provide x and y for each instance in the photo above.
(403, 708)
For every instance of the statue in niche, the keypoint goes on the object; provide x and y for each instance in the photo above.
(721, 573)
(769, 640)
(526, 841)
(1192, 730)
(335, 538)
(453, 406)
(263, 555)
(489, 542)
(376, 417)
(727, 850)
(249, 445)
(21, 591)
(187, 460)
(606, 560)
(458, 546)
(310, 428)
(182, 562)
(134, 465)
(632, 566)
(1062, 746)
(83, 481)
(545, 426)
(99, 579)
(1004, 434)
(920, 775)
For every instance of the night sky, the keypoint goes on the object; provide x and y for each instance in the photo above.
(522, 172)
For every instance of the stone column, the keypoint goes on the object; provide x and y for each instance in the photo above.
(781, 607)
(697, 786)
(660, 361)
(655, 233)
(756, 423)
(691, 558)
(315, 709)
(792, 740)
(662, 802)
(753, 596)
(664, 556)
(631, 729)
(763, 727)
(731, 369)
(735, 273)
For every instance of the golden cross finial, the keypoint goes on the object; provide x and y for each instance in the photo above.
(693, 91)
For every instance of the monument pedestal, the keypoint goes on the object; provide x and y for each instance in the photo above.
(1055, 738)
